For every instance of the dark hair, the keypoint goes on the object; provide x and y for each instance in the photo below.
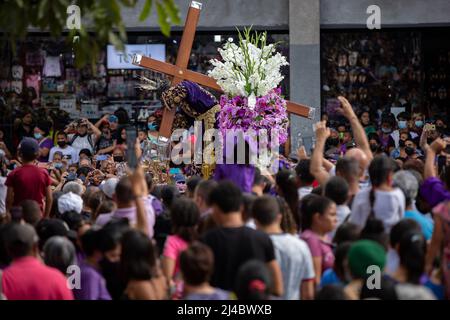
(90, 242)
(86, 152)
(19, 240)
(227, 196)
(31, 212)
(304, 209)
(346, 232)
(197, 263)
(303, 172)
(379, 170)
(253, 281)
(288, 223)
(265, 210)
(61, 133)
(138, 258)
(192, 183)
(122, 116)
(47, 228)
(285, 180)
(385, 292)
(111, 234)
(412, 250)
(45, 126)
(95, 199)
(28, 157)
(401, 228)
(348, 168)
(258, 177)
(168, 194)
(54, 212)
(317, 205)
(331, 292)
(124, 190)
(337, 189)
(106, 206)
(185, 217)
(204, 188)
(73, 219)
(340, 255)
(247, 200)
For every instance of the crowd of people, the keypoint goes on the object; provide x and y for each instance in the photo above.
(78, 223)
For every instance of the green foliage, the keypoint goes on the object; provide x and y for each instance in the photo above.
(106, 25)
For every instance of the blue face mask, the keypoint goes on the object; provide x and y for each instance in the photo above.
(419, 124)
(402, 124)
(38, 136)
(151, 126)
(386, 130)
(58, 165)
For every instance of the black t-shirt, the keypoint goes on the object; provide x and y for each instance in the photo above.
(104, 143)
(232, 247)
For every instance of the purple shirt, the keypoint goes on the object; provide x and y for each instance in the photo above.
(130, 214)
(319, 248)
(433, 191)
(92, 285)
(46, 143)
(242, 175)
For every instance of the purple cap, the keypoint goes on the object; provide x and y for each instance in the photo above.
(29, 146)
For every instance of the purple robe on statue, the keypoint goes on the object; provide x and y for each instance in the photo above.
(240, 174)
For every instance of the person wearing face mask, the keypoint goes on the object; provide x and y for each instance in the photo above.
(364, 118)
(403, 119)
(399, 152)
(152, 129)
(441, 127)
(106, 143)
(374, 142)
(418, 123)
(387, 125)
(69, 153)
(41, 132)
(82, 139)
(118, 155)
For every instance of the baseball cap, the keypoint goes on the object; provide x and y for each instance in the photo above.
(108, 187)
(29, 146)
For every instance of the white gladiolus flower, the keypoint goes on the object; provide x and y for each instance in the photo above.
(249, 69)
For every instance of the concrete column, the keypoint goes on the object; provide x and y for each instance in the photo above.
(304, 58)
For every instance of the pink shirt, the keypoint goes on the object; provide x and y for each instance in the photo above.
(319, 248)
(29, 279)
(172, 248)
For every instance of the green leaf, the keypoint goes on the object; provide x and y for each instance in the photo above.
(146, 10)
(43, 7)
(172, 11)
(162, 19)
(19, 3)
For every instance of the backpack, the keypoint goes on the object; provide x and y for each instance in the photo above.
(91, 143)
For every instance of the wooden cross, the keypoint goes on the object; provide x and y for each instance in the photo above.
(179, 71)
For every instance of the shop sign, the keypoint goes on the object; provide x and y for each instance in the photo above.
(122, 59)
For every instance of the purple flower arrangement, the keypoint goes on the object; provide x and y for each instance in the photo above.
(269, 113)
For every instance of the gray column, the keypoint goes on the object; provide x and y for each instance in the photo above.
(304, 58)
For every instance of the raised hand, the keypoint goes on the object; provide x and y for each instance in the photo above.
(346, 108)
(322, 132)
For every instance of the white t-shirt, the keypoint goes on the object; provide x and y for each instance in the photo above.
(304, 191)
(81, 143)
(3, 190)
(295, 261)
(389, 207)
(71, 153)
